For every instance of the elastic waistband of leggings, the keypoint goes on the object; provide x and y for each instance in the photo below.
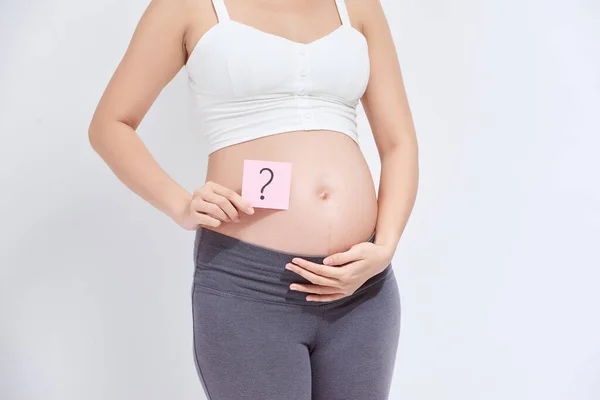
(251, 251)
(234, 267)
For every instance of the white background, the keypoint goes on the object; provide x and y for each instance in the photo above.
(498, 267)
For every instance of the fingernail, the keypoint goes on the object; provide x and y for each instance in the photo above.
(326, 261)
(293, 287)
(288, 266)
(250, 210)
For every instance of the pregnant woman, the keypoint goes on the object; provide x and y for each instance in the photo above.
(296, 303)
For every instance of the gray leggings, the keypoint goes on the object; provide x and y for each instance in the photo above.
(254, 338)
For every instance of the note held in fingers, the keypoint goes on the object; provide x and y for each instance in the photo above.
(266, 184)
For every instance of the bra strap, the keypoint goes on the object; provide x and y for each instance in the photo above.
(343, 11)
(221, 10)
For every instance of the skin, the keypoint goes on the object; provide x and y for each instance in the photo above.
(333, 203)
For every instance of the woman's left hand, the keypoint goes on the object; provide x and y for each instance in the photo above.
(341, 274)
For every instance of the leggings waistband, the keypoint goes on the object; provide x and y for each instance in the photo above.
(233, 267)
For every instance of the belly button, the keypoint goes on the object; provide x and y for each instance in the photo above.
(323, 195)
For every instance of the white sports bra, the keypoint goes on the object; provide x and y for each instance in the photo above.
(248, 83)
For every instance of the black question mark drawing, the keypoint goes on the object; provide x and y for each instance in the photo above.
(269, 181)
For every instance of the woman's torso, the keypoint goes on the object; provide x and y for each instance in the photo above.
(333, 201)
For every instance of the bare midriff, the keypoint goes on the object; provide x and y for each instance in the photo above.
(333, 203)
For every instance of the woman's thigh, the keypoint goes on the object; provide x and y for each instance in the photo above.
(250, 349)
(355, 348)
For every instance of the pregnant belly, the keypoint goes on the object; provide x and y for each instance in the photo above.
(333, 202)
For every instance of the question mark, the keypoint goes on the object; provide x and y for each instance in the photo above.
(269, 181)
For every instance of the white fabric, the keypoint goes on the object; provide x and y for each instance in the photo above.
(220, 10)
(341, 6)
(248, 83)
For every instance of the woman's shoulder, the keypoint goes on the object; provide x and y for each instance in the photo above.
(364, 13)
(366, 16)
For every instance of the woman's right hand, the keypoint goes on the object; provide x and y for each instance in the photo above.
(211, 205)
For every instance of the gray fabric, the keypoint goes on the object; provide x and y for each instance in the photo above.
(254, 338)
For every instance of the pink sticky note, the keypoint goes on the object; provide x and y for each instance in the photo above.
(266, 184)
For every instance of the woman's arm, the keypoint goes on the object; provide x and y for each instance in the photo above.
(387, 109)
(156, 53)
